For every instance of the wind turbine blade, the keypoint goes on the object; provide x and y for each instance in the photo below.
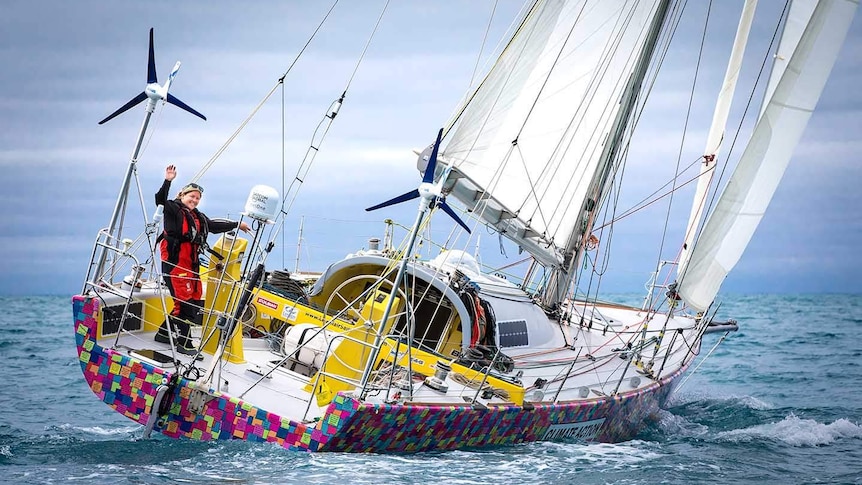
(448, 210)
(174, 72)
(428, 177)
(413, 194)
(176, 102)
(151, 65)
(137, 99)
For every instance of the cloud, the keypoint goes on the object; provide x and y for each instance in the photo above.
(65, 69)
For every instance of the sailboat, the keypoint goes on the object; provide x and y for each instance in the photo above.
(386, 351)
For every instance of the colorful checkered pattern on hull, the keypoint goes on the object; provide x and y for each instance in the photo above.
(129, 386)
(412, 428)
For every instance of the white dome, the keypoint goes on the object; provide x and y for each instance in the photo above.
(263, 203)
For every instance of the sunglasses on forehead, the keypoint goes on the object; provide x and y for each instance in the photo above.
(192, 186)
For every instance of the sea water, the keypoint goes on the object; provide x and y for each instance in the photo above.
(779, 401)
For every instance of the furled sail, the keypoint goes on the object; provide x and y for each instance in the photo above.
(526, 146)
(740, 208)
(716, 131)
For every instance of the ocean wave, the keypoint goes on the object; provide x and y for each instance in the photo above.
(676, 425)
(518, 464)
(708, 399)
(796, 432)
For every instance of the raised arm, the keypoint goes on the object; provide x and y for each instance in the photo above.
(162, 194)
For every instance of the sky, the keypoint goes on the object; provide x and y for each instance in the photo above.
(67, 65)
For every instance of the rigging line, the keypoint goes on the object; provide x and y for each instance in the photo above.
(495, 177)
(538, 96)
(611, 47)
(646, 203)
(651, 198)
(527, 12)
(693, 371)
(618, 174)
(263, 101)
(308, 42)
(550, 175)
(332, 111)
(484, 40)
(682, 144)
(668, 35)
(367, 44)
(307, 162)
(507, 266)
(538, 209)
(619, 169)
(622, 126)
(616, 169)
(766, 57)
(605, 251)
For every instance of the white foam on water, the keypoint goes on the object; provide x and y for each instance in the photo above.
(797, 432)
(98, 430)
(754, 403)
(675, 425)
(519, 464)
(85, 477)
(6, 450)
(605, 455)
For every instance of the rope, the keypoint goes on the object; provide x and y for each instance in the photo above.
(314, 147)
(720, 340)
(266, 97)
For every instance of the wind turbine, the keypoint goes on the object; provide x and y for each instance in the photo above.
(431, 193)
(153, 93)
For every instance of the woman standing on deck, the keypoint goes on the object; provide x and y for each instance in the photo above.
(181, 243)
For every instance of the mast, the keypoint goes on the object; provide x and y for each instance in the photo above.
(562, 277)
(716, 131)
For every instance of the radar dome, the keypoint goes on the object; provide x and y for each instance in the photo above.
(263, 203)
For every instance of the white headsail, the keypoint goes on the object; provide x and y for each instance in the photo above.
(741, 206)
(794, 25)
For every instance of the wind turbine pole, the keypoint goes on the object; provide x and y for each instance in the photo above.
(120, 206)
(424, 203)
(152, 93)
(428, 192)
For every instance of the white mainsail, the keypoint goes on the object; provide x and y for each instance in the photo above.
(526, 147)
(741, 206)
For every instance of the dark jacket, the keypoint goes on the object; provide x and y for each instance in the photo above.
(180, 226)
